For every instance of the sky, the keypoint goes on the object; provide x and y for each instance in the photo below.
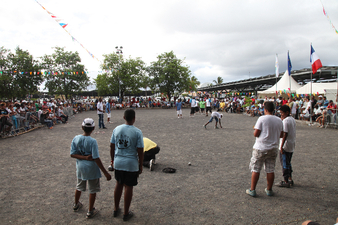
(216, 38)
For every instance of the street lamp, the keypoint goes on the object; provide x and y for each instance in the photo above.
(119, 51)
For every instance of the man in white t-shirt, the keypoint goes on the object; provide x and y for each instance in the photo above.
(208, 106)
(268, 130)
(100, 113)
(287, 146)
(192, 107)
(217, 116)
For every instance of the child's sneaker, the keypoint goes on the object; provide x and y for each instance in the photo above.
(251, 193)
(268, 192)
(92, 213)
(216, 127)
(291, 183)
(205, 127)
(77, 207)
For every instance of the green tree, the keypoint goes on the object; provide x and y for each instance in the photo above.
(122, 76)
(219, 80)
(169, 74)
(19, 73)
(65, 75)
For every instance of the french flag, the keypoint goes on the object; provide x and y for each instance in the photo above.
(315, 61)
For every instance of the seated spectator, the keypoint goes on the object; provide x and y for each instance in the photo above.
(62, 114)
(317, 112)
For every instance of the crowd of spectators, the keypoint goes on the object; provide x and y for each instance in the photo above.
(20, 116)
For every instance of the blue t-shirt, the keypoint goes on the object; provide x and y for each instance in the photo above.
(107, 107)
(86, 145)
(127, 139)
(179, 105)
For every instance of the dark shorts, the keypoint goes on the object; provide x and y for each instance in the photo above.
(202, 109)
(126, 178)
(208, 109)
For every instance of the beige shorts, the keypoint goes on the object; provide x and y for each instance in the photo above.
(268, 158)
(93, 185)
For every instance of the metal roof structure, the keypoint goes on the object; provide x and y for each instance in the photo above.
(303, 76)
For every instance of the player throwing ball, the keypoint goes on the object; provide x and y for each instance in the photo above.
(217, 116)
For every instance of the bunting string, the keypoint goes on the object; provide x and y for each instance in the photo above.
(63, 25)
(327, 16)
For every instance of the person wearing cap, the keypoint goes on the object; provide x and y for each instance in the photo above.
(88, 165)
(217, 116)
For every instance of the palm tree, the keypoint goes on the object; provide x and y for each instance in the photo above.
(219, 80)
(193, 82)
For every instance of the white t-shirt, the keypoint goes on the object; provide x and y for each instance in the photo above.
(271, 128)
(193, 103)
(289, 126)
(294, 109)
(99, 106)
(207, 102)
(216, 114)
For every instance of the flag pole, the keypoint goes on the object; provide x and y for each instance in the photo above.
(277, 74)
(311, 89)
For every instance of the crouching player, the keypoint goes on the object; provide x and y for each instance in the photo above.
(217, 116)
(150, 151)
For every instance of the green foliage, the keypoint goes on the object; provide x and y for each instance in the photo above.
(124, 76)
(19, 76)
(219, 80)
(169, 75)
(64, 83)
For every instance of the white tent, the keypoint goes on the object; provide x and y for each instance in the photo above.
(282, 84)
(316, 87)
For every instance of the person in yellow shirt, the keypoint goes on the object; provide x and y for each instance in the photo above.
(150, 150)
(222, 105)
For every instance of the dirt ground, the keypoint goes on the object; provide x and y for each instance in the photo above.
(38, 175)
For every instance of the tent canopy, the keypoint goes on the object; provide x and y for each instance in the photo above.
(316, 87)
(282, 84)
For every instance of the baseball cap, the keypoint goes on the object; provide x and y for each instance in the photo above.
(320, 96)
(88, 122)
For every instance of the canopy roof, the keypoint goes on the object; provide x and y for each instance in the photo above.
(316, 87)
(282, 84)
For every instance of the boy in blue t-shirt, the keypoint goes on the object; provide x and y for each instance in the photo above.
(88, 164)
(179, 108)
(126, 151)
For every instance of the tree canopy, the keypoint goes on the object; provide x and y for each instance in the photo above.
(168, 74)
(15, 81)
(122, 75)
(61, 77)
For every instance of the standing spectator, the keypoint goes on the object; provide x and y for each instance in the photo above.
(100, 113)
(126, 151)
(179, 109)
(88, 164)
(108, 110)
(208, 105)
(192, 107)
(287, 146)
(202, 105)
(268, 130)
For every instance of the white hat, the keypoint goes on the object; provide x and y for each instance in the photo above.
(221, 114)
(88, 122)
(320, 96)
